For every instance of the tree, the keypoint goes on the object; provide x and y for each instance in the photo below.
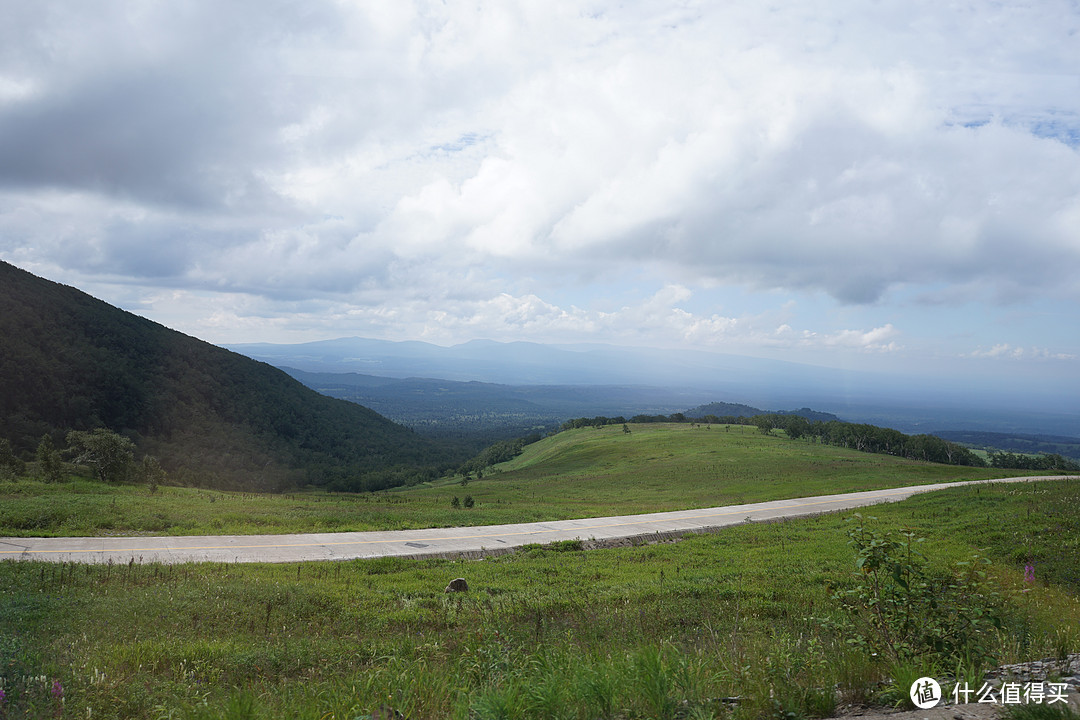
(152, 473)
(109, 455)
(10, 464)
(795, 426)
(765, 423)
(50, 466)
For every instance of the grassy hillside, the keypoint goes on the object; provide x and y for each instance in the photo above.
(660, 631)
(576, 473)
(71, 362)
(675, 466)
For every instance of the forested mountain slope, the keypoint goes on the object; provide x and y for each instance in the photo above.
(71, 362)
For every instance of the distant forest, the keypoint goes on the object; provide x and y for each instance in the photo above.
(1016, 442)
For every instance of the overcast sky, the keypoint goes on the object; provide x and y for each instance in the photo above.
(889, 183)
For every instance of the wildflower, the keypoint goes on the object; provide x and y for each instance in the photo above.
(1029, 573)
(3, 696)
(57, 690)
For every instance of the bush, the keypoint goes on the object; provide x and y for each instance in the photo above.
(50, 467)
(898, 612)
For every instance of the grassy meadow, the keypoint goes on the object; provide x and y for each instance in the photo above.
(577, 473)
(739, 623)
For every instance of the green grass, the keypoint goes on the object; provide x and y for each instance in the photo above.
(657, 631)
(574, 474)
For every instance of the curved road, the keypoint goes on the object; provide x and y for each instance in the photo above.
(439, 541)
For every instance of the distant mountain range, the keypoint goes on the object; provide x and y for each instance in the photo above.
(477, 414)
(525, 363)
(71, 362)
(908, 404)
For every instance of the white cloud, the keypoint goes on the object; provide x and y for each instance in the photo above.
(878, 339)
(1010, 352)
(447, 168)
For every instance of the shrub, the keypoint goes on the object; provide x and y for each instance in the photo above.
(898, 612)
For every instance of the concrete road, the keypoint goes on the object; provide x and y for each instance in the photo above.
(468, 541)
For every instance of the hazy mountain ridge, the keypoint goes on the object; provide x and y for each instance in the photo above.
(478, 413)
(909, 404)
(70, 361)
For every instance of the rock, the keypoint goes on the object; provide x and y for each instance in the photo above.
(457, 585)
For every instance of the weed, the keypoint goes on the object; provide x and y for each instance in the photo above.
(497, 703)
(598, 688)
(902, 675)
(653, 682)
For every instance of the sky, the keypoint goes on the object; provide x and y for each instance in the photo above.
(888, 184)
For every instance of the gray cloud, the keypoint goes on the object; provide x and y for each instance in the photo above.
(434, 156)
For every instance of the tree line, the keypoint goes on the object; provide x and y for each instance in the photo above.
(110, 457)
(1051, 461)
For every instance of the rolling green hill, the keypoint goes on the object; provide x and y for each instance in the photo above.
(71, 362)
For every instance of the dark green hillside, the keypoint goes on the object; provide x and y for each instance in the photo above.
(71, 362)
(723, 409)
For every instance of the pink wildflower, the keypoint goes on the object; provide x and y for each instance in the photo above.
(1029, 573)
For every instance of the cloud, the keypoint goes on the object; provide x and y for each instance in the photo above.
(454, 167)
(1009, 352)
(782, 169)
(879, 339)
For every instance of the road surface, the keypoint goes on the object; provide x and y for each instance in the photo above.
(460, 541)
